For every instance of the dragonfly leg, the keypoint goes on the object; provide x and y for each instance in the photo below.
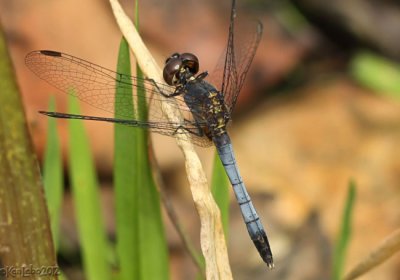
(195, 131)
(202, 75)
(175, 93)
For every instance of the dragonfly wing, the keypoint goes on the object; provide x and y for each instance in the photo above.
(166, 128)
(97, 85)
(232, 67)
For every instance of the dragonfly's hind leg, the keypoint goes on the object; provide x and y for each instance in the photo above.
(197, 130)
(175, 93)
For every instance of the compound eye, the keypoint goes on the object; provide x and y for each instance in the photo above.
(190, 61)
(171, 69)
(174, 55)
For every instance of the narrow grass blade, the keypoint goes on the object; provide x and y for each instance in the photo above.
(220, 190)
(87, 201)
(153, 246)
(127, 192)
(345, 234)
(53, 175)
(25, 236)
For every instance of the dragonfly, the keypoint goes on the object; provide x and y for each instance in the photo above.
(205, 110)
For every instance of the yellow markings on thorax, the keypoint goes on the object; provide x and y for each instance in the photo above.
(216, 109)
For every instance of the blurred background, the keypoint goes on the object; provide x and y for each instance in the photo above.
(321, 106)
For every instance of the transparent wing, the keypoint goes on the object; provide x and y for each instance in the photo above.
(96, 86)
(232, 67)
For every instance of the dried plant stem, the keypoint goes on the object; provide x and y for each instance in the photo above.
(385, 250)
(211, 233)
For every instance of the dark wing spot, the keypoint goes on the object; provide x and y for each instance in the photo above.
(50, 53)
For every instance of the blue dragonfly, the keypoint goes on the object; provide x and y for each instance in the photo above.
(206, 111)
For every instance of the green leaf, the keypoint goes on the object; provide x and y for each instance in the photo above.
(95, 248)
(153, 245)
(220, 190)
(53, 175)
(141, 242)
(377, 73)
(345, 234)
(127, 193)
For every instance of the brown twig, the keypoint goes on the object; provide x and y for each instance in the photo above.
(385, 250)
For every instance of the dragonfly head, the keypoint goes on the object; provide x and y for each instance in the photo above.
(179, 68)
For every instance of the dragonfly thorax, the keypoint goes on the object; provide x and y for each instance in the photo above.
(207, 106)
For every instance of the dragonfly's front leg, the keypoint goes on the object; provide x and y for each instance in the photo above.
(202, 75)
(178, 90)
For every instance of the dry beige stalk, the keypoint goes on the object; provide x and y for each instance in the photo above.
(385, 250)
(211, 234)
